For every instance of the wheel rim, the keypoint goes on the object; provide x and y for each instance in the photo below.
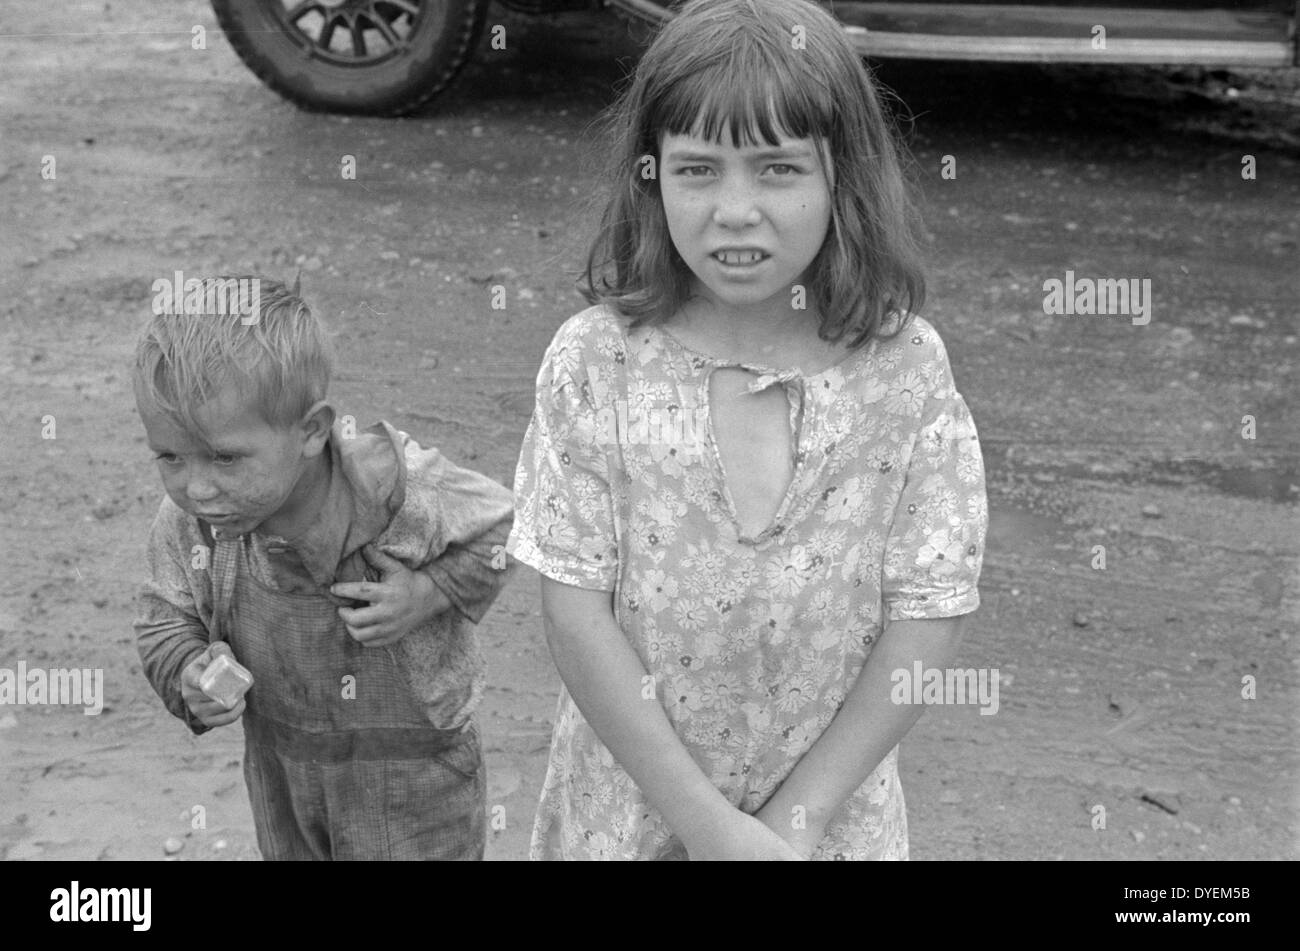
(352, 32)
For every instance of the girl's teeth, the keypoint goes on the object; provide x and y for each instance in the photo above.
(739, 257)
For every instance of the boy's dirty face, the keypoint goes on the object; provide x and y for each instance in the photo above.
(247, 473)
(748, 220)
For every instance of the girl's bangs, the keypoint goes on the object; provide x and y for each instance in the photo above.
(754, 102)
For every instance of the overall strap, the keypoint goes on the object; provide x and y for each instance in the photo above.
(225, 560)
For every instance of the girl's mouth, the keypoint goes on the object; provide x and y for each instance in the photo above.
(739, 258)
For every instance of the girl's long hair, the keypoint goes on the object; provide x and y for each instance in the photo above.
(758, 69)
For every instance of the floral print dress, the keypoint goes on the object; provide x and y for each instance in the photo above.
(753, 642)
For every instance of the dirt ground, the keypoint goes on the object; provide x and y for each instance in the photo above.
(1121, 687)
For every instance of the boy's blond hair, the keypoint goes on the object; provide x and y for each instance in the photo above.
(283, 359)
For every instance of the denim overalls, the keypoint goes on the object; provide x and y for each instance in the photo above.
(340, 760)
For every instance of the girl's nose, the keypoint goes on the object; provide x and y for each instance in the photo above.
(737, 206)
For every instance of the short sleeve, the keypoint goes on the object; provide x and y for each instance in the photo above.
(564, 510)
(935, 547)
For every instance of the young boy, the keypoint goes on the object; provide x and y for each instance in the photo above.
(341, 568)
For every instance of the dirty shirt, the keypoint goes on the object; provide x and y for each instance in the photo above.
(385, 489)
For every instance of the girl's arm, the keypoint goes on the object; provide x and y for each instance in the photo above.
(604, 676)
(868, 725)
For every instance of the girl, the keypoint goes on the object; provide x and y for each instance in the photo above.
(749, 484)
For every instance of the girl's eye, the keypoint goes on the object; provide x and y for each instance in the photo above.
(224, 459)
(694, 171)
(785, 170)
(166, 458)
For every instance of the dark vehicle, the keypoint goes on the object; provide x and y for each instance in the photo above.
(390, 57)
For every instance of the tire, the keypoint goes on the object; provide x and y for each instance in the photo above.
(410, 50)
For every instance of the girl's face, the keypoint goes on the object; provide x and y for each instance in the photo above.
(747, 220)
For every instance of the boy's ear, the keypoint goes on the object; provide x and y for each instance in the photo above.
(316, 424)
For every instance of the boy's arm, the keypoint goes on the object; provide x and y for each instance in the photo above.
(169, 631)
(166, 649)
(476, 514)
(471, 575)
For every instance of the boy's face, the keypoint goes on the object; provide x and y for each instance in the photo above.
(747, 220)
(250, 473)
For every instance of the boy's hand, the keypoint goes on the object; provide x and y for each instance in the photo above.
(206, 710)
(400, 601)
